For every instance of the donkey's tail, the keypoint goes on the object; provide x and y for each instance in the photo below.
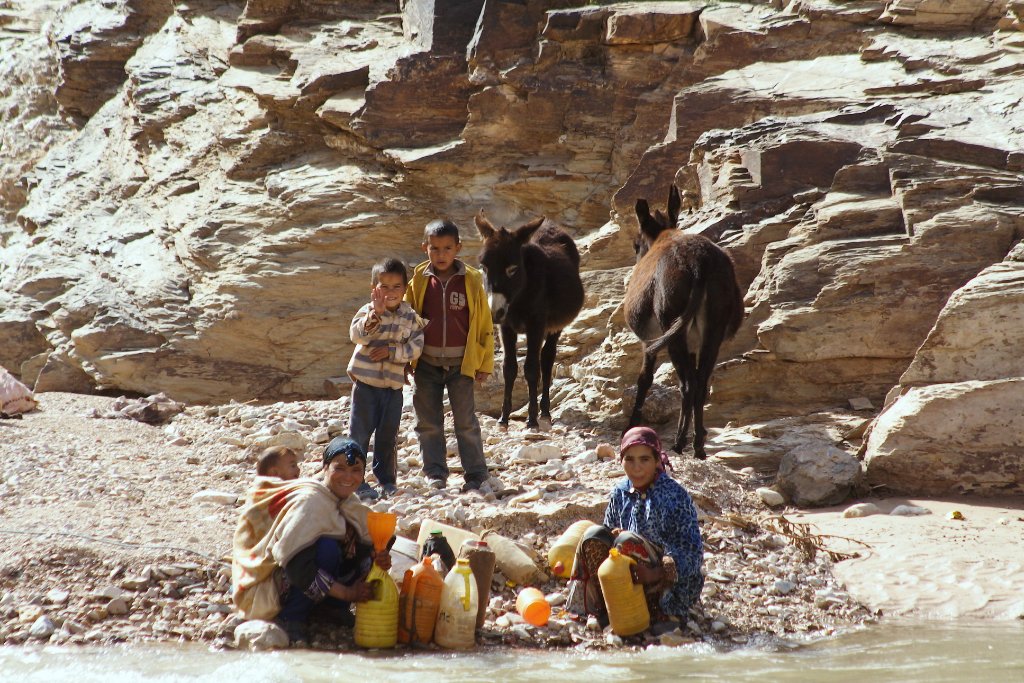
(697, 294)
(660, 343)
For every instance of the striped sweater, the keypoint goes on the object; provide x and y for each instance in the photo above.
(401, 331)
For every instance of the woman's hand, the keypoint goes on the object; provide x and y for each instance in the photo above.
(647, 575)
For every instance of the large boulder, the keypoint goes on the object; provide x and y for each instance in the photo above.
(817, 475)
(961, 437)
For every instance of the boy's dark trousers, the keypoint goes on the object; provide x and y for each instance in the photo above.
(428, 400)
(378, 412)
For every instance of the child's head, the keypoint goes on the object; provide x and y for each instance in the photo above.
(641, 456)
(344, 466)
(392, 279)
(278, 461)
(441, 244)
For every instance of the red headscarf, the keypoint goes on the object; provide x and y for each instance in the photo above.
(647, 437)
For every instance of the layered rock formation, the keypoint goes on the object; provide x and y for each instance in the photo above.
(192, 194)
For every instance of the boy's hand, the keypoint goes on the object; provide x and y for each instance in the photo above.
(382, 559)
(379, 353)
(377, 299)
(481, 377)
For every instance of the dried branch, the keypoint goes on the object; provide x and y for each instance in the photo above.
(807, 542)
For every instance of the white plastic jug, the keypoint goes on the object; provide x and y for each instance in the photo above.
(456, 621)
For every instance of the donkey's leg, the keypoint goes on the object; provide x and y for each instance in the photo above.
(547, 363)
(531, 368)
(643, 385)
(683, 362)
(702, 380)
(509, 369)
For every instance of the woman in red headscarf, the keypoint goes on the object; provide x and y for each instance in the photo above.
(651, 518)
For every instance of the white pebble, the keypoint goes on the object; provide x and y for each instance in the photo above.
(861, 510)
(909, 511)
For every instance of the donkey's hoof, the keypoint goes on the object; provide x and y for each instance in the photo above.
(503, 426)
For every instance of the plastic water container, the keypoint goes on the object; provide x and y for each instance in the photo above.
(562, 553)
(624, 598)
(481, 562)
(437, 544)
(377, 619)
(419, 603)
(456, 620)
(455, 535)
(532, 607)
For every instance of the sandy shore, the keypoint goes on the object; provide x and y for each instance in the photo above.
(932, 566)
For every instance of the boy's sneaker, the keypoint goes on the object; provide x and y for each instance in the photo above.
(481, 487)
(438, 483)
(366, 493)
(389, 490)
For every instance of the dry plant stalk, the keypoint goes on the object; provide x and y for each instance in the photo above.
(800, 535)
(807, 542)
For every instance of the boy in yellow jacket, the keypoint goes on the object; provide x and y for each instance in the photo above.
(458, 350)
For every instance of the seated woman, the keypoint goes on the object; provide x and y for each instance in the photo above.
(302, 546)
(651, 518)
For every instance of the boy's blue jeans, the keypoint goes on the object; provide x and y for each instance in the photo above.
(428, 400)
(378, 412)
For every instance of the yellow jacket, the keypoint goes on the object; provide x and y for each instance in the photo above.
(480, 340)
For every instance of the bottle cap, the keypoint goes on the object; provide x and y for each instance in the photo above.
(437, 532)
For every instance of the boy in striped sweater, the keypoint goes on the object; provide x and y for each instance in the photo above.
(389, 336)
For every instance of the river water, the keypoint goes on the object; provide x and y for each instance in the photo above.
(904, 652)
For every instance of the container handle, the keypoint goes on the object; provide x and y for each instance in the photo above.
(466, 576)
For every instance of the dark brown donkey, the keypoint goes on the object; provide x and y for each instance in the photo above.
(533, 280)
(682, 295)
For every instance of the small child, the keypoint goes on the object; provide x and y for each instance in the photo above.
(458, 349)
(389, 336)
(278, 461)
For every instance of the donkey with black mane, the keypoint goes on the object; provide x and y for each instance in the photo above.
(533, 279)
(683, 296)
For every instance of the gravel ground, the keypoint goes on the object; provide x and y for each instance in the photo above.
(113, 530)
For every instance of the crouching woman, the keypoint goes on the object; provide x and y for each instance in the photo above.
(651, 518)
(302, 549)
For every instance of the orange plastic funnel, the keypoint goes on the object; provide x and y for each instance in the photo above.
(382, 528)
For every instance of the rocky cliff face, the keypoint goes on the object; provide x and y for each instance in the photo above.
(192, 194)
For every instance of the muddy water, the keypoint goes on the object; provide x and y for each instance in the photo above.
(906, 652)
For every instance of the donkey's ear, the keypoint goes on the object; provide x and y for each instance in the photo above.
(525, 232)
(484, 226)
(643, 211)
(674, 204)
(649, 225)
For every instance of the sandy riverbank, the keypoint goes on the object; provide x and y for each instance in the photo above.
(932, 566)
